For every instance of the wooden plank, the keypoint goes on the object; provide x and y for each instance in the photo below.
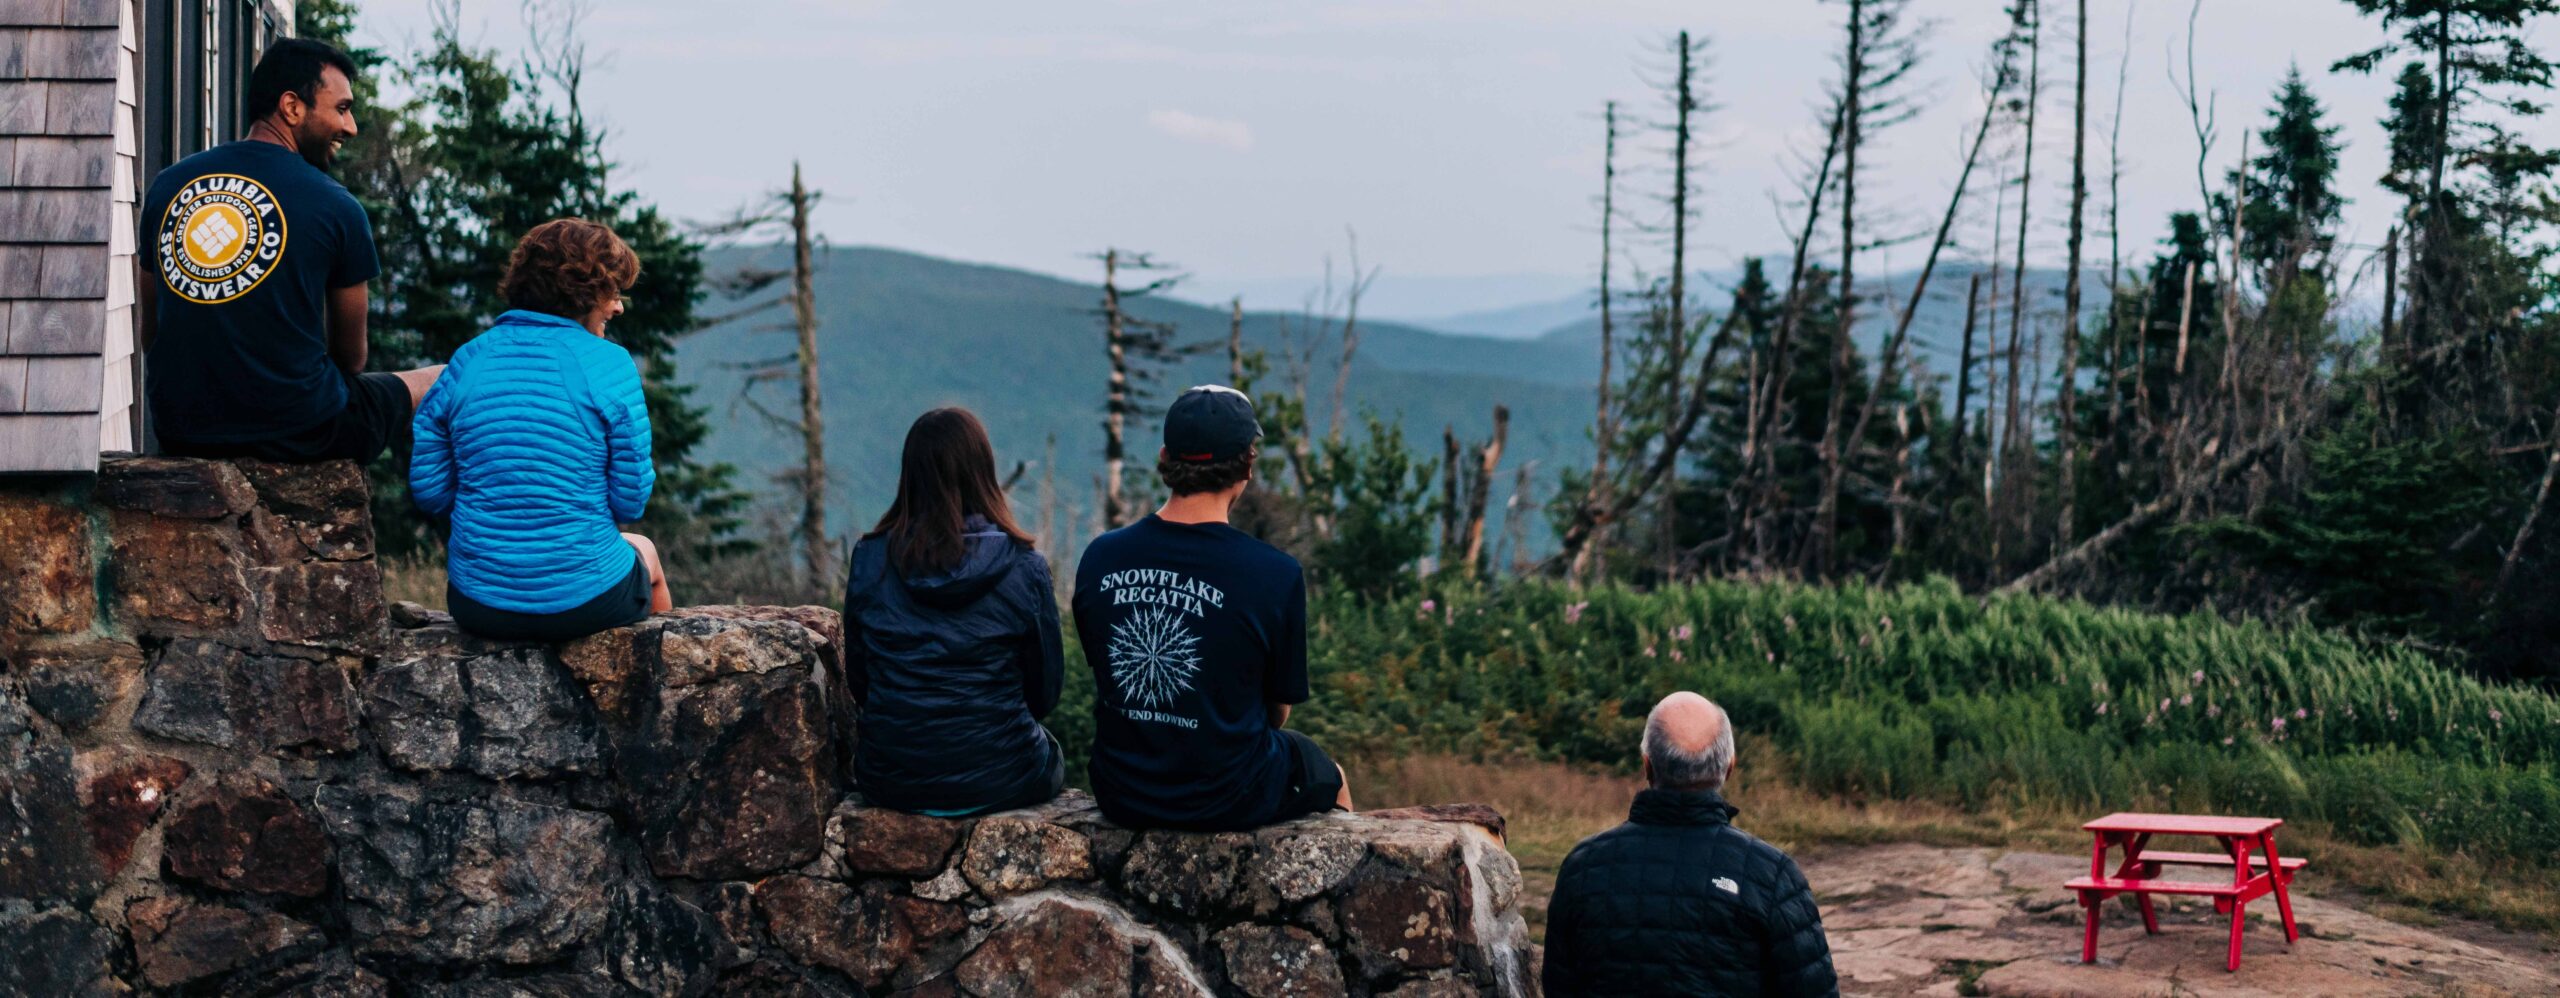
(55, 216)
(49, 161)
(119, 280)
(92, 13)
(59, 328)
(72, 54)
(8, 162)
(74, 271)
(37, 13)
(119, 332)
(115, 432)
(22, 104)
(122, 116)
(64, 384)
(13, 384)
(2182, 824)
(74, 107)
(13, 53)
(32, 443)
(21, 272)
(116, 387)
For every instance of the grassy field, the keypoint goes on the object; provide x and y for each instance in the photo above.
(1919, 712)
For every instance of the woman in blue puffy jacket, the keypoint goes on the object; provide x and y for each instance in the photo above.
(535, 442)
(951, 638)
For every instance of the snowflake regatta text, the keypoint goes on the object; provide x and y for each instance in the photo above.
(1163, 588)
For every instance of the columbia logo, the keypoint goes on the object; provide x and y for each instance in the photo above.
(213, 235)
(1727, 885)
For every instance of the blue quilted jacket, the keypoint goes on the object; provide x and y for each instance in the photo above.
(536, 442)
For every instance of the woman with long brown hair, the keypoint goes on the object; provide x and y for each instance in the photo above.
(951, 641)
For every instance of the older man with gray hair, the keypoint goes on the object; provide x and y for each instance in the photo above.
(1677, 901)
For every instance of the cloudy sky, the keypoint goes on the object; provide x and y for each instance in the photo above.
(1460, 138)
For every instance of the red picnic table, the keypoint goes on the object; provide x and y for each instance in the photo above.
(2138, 874)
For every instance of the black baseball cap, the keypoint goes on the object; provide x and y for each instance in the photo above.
(1209, 423)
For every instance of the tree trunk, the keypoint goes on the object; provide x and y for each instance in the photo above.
(1833, 451)
(2015, 419)
(1964, 375)
(1679, 280)
(2066, 430)
(1235, 342)
(2144, 515)
(1116, 402)
(1449, 496)
(817, 558)
(1604, 428)
(1487, 458)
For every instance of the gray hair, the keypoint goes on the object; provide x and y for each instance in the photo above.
(1675, 768)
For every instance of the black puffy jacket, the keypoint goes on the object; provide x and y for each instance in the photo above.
(952, 674)
(1677, 901)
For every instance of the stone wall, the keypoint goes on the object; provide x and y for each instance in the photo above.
(226, 767)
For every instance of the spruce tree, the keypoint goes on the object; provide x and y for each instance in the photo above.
(2291, 214)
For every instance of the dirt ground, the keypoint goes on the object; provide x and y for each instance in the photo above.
(1922, 920)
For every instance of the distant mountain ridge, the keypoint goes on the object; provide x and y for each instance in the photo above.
(901, 333)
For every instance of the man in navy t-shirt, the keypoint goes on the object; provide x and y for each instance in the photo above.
(253, 314)
(1197, 636)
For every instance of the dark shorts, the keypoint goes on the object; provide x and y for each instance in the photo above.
(1315, 783)
(624, 602)
(376, 419)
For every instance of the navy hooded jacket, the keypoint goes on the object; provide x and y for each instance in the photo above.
(952, 673)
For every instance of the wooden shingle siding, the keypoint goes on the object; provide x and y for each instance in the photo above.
(54, 216)
(13, 385)
(63, 384)
(42, 327)
(49, 161)
(30, 442)
(21, 272)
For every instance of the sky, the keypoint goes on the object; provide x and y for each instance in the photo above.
(1460, 139)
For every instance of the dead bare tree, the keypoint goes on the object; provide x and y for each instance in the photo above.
(1138, 348)
(1488, 457)
(2065, 451)
(1360, 281)
(2015, 426)
(1604, 426)
(786, 212)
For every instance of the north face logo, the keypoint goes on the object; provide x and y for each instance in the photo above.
(1727, 885)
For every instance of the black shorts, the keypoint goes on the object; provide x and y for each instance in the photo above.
(376, 419)
(1315, 783)
(624, 602)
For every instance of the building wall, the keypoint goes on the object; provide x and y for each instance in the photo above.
(59, 65)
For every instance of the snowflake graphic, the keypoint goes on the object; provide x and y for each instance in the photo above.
(1153, 656)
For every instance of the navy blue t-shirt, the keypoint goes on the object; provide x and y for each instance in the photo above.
(245, 241)
(1193, 631)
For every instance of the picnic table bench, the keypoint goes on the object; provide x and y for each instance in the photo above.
(2248, 851)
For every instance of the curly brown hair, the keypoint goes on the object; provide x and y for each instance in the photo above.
(567, 267)
(1189, 478)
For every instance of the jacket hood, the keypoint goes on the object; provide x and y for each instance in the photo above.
(1681, 807)
(989, 558)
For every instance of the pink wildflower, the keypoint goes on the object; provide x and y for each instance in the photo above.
(2226, 739)
(1648, 651)
(2299, 713)
(2102, 708)
(1675, 654)
(2164, 706)
(2186, 699)
(2197, 677)
(1683, 633)
(2495, 717)
(1430, 605)
(1573, 613)
(2276, 724)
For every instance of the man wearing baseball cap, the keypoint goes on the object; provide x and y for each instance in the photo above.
(1197, 636)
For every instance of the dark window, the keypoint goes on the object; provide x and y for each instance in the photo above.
(157, 82)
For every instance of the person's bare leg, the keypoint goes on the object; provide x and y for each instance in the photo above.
(419, 381)
(1342, 798)
(659, 600)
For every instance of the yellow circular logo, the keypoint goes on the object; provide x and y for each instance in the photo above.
(222, 235)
